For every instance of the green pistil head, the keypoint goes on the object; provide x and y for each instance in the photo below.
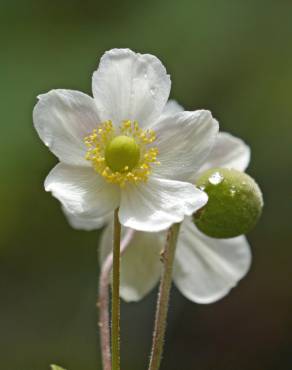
(234, 206)
(122, 154)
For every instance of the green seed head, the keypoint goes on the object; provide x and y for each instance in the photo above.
(122, 153)
(234, 206)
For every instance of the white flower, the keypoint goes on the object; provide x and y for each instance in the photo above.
(205, 269)
(126, 147)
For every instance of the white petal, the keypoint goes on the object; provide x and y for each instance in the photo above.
(129, 85)
(206, 268)
(106, 242)
(140, 263)
(62, 119)
(141, 266)
(155, 205)
(85, 222)
(172, 107)
(184, 140)
(228, 151)
(82, 191)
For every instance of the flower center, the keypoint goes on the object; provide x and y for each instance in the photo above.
(123, 154)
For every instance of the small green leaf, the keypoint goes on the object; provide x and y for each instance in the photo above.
(55, 367)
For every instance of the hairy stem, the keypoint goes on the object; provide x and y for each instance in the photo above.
(103, 302)
(116, 294)
(163, 298)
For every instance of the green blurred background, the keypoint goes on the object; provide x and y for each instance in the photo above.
(233, 57)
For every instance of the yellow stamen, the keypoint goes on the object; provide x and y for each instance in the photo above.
(100, 137)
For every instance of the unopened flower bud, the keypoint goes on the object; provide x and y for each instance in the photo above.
(234, 206)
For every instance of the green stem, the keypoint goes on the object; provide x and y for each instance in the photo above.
(103, 302)
(116, 294)
(163, 298)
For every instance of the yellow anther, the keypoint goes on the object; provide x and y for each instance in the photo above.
(101, 136)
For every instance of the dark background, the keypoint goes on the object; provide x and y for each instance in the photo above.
(232, 57)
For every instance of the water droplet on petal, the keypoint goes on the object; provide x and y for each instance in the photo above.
(152, 91)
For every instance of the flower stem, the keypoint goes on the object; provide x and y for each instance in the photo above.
(103, 302)
(103, 306)
(116, 294)
(163, 298)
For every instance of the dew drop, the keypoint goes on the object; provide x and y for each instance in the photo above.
(216, 178)
(152, 91)
(232, 192)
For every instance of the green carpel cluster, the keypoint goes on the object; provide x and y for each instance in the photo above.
(234, 205)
